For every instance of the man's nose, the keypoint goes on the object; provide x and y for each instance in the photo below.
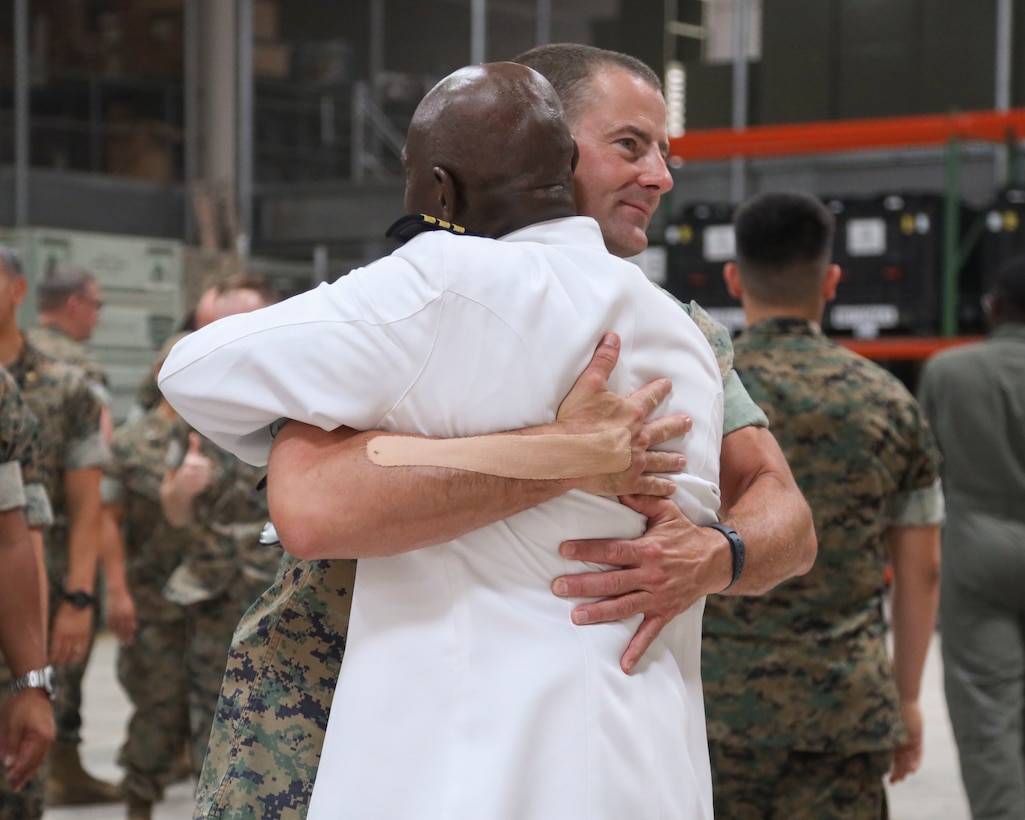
(655, 174)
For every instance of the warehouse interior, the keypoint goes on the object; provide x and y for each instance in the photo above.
(161, 143)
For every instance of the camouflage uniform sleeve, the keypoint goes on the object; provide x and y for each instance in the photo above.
(920, 508)
(919, 503)
(21, 482)
(17, 427)
(12, 492)
(739, 408)
(38, 510)
(86, 447)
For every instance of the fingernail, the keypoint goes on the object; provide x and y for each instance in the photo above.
(568, 550)
(560, 588)
(580, 617)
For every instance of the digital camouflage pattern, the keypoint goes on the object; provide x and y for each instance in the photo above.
(805, 666)
(68, 413)
(55, 343)
(151, 669)
(69, 432)
(739, 410)
(272, 714)
(19, 442)
(806, 785)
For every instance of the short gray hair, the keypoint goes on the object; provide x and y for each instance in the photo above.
(569, 67)
(60, 283)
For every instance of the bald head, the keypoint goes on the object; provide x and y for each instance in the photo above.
(488, 148)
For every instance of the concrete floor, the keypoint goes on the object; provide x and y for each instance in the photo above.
(934, 793)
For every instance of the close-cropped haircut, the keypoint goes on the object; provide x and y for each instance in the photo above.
(569, 67)
(784, 242)
(10, 260)
(59, 284)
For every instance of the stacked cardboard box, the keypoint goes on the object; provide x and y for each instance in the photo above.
(271, 56)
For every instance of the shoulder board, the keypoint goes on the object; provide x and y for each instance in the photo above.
(411, 225)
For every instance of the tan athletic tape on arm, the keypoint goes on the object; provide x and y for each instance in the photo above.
(510, 456)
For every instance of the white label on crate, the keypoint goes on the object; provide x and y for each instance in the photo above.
(720, 243)
(866, 237)
(652, 260)
(864, 320)
(124, 326)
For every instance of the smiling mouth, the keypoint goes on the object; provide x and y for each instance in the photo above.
(642, 207)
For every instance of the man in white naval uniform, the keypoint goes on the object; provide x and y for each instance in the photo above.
(467, 692)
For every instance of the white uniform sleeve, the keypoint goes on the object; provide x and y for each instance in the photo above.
(341, 354)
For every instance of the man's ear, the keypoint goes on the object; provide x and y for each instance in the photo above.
(446, 194)
(731, 276)
(19, 287)
(830, 282)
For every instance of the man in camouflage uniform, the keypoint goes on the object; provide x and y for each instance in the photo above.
(287, 651)
(69, 302)
(28, 714)
(72, 455)
(213, 498)
(152, 666)
(804, 710)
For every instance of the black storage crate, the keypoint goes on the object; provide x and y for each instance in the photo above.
(891, 250)
(1004, 235)
(698, 242)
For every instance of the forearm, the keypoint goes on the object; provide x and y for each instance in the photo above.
(36, 538)
(328, 500)
(22, 630)
(763, 503)
(380, 510)
(112, 553)
(915, 556)
(82, 490)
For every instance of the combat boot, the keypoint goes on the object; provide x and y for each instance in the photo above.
(139, 809)
(68, 784)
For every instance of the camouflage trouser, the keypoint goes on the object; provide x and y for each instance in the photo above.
(272, 714)
(209, 627)
(758, 783)
(28, 803)
(151, 670)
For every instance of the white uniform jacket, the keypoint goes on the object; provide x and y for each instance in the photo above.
(466, 691)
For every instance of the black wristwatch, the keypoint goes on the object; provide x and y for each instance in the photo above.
(79, 598)
(36, 679)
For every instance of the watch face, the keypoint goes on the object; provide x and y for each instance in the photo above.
(46, 680)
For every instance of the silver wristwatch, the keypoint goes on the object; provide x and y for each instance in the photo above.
(36, 679)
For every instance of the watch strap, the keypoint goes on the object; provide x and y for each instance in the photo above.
(737, 550)
(79, 598)
(35, 679)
